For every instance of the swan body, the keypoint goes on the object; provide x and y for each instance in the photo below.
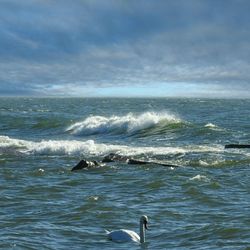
(124, 235)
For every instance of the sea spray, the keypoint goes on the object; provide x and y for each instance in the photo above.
(127, 124)
(90, 147)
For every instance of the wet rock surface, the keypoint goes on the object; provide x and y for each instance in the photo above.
(112, 157)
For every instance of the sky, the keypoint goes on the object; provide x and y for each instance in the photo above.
(125, 48)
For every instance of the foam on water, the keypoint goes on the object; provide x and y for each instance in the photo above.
(214, 127)
(210, 125)
(129, 123)
(199, 178)
(89, 147)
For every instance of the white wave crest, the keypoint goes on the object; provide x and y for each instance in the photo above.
(210, 125)
(74, 147)
(200, 178)
(89, 147)
(214, 127)
(129, 123)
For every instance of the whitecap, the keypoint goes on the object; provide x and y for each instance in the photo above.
(203, 163)
(90, 147)
(129, 123)
(214, 127)
(199, 178)
(210, 125)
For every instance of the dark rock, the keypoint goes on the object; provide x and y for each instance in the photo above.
(237, 146)
(137, 162)
(112, 157)
(85, 164)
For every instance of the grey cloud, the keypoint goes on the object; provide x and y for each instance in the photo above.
(106, 43)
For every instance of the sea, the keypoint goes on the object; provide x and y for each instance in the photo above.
(202, 202)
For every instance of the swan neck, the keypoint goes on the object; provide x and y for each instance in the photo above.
(142, 232)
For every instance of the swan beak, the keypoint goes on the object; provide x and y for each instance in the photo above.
(146, 225)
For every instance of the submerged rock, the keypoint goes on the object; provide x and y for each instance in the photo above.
(112, 157)
(139, 162)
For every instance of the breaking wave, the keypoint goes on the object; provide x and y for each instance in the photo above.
(89, 148)
(127, 124)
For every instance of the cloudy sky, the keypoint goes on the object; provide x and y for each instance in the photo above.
(189, 48)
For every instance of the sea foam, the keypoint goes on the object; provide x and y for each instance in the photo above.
(200, 178)
(210, 125)
(128, 124)
(89, 147)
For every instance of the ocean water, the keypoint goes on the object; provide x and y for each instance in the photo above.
(202, 204)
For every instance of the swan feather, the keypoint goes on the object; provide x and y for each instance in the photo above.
(123, 235)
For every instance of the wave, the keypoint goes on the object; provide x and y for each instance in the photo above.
(212, 126)
(199, 178)
(90, 148)
(127, 124)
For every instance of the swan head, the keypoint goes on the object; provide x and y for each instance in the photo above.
(144, 221)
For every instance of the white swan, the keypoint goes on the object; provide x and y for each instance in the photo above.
(124, 235)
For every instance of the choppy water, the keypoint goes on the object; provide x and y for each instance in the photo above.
(204, 204)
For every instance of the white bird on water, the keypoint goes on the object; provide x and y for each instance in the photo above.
(123, 235)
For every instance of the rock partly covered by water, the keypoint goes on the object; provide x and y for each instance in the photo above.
(237, 146)
(112, 157)
(85, 164)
